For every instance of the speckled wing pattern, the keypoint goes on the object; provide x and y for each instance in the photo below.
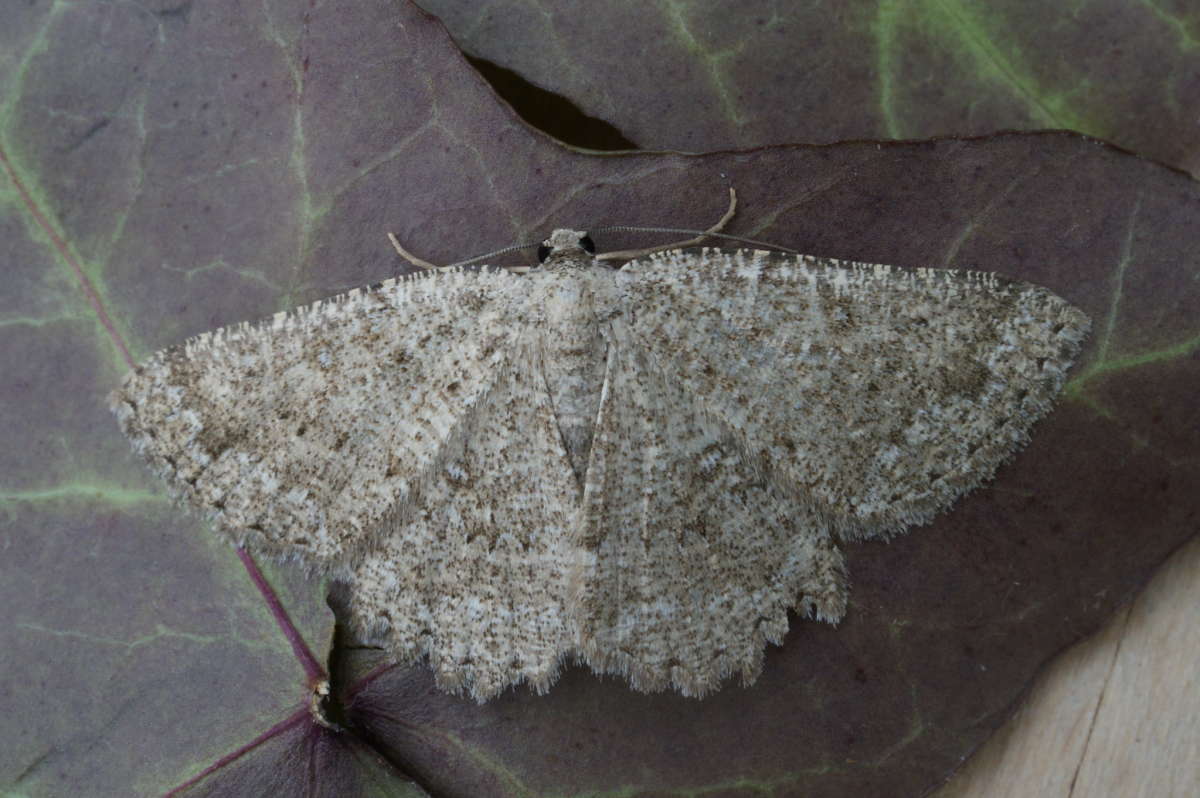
(424, 439)
(698, 554)
(878, 394)
(307, 433)
(477, 578)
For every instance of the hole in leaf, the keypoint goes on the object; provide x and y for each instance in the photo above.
(550, 113)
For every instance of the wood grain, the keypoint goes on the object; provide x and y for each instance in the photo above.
(1116, 715)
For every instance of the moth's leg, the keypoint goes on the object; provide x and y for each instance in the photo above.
(411, 258)
(629, 254)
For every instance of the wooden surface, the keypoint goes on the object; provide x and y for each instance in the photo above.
(1116, 715)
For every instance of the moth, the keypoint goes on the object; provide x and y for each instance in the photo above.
(641, 468)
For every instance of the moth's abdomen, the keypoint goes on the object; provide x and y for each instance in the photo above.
(574, 353)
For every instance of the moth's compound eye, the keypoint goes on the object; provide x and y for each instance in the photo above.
(588, 245)
(543, 253)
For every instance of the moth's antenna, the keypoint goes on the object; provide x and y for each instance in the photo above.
(700, 237)
(424, 264)
(626, 254)
(505, 251)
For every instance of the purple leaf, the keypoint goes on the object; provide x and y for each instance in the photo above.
(707, 76)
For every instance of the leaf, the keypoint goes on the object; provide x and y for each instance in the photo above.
(168, 168)
(755, 74)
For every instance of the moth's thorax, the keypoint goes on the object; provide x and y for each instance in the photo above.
(573, 297)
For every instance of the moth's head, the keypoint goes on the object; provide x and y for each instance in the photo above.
(565, 242)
